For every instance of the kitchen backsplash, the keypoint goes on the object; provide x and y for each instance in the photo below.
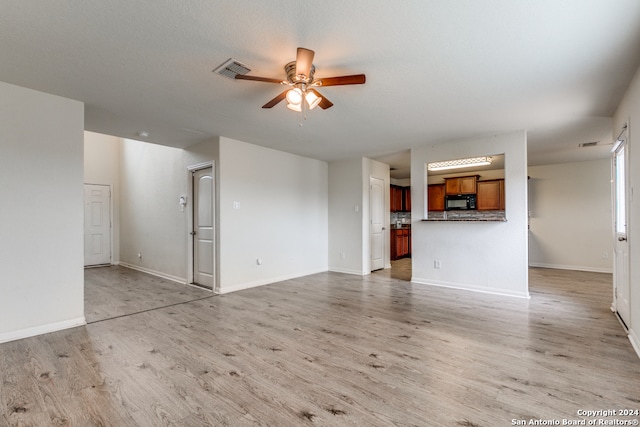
(403, 217)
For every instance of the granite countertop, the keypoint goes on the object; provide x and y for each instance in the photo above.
(395, 227)
(467, 216)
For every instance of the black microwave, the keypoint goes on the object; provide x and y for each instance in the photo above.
(459, 202)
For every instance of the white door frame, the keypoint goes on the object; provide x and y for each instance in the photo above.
(190, 170)
(111, 261)
(621, 309)
(371, 225)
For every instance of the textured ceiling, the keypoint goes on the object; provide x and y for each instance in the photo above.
(436, 70)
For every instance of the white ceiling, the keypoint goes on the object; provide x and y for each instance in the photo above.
(436, 70)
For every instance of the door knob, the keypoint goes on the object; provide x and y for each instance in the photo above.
(193, 233)
(622, 239)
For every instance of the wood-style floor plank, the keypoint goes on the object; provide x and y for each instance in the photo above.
(327, 349)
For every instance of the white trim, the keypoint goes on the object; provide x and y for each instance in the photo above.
(243, 286)
(348, 271)
(635, 341)
(191, 169)
(203, 165)
(571, 267)
(202, 288)
(472, 288)
(180, 280)
(42, 329)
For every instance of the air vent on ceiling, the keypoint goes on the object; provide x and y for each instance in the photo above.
(588, 144)
(231, 68)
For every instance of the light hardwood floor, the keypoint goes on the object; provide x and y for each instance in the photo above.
(116, 291)
(333, 349)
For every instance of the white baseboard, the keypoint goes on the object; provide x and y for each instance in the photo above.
(347, 271)
(262, 282)
(42, 329)
(635, 341)
(571, 267)
(473, 288)
(160, 274)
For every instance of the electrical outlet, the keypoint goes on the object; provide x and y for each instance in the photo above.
(605, 255)
(437, 264)
(259, 261)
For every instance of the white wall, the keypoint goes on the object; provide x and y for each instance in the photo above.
(629, 112)
(480, 256)
(153, 177)
(402, 182)
(41, 213)
(345, 216)
(281, 216)
(102, 166)
(349, 234)
(570, 208)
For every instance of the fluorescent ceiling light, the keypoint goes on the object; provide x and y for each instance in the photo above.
(459, 163)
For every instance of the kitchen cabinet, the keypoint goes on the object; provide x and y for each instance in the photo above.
(400, 242)
(461, 185)
(490, 195)
(435, 197)
(406, 194)
(396, 198)
(400, 199)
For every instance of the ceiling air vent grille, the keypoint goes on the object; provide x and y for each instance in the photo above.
(231, 68)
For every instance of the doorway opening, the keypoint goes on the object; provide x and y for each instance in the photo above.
(97, 225)
(201, 262)
(621, 285)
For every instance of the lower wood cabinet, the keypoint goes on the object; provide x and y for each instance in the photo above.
(400, 243)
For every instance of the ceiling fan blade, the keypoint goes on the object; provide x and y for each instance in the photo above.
(356, 79)
(324, 103)
(275, 100)
(304, 61)
(257, 79)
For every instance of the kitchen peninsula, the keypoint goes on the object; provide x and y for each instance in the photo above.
(466, 198)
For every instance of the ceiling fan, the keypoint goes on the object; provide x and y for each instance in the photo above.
(301, 93)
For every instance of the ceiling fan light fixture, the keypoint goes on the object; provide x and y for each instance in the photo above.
(295, 107)
(312, 100)
(294, 96)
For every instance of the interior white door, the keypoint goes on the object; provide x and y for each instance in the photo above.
(97, 225)
(203, 227)
(621, 245)
(377, 213)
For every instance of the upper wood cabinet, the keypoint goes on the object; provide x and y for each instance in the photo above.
(461, 185)
(435, 198)
(406, 194)
(400, 199)
(395, 196)
(490, 195)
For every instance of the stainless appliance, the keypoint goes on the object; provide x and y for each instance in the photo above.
(460, 202)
